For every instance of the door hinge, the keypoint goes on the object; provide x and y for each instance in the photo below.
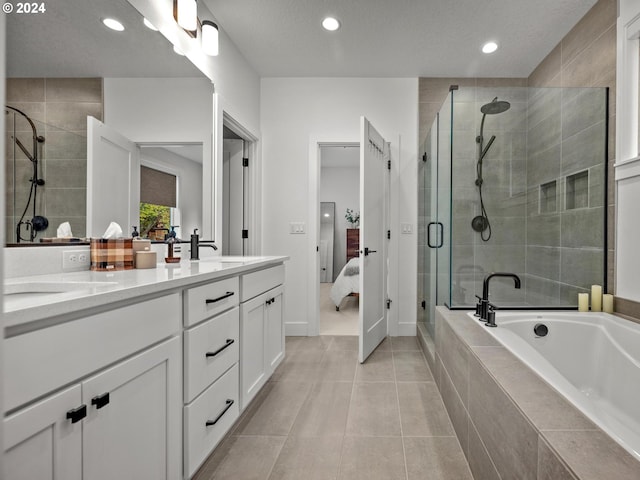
(245, 162)
(389, 164)
(389, 234)
(424, 157)
(424, 304)
(388, 304)
(245, 233)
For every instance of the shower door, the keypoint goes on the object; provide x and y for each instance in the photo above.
(436, 205)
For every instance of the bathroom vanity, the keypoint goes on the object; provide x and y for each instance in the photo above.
(139, 373)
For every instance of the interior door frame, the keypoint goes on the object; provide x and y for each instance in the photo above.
(316, 142)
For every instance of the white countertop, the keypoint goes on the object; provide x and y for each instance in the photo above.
(95, 289)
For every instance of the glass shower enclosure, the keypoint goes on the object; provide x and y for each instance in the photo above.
(512, 179)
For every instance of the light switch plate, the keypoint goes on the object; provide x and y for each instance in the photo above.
(296, 228)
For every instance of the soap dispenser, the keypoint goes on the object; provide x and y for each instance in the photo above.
(171, 239)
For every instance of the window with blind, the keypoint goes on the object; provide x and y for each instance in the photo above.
(158, 194)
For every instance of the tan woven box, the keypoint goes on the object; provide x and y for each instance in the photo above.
(109, 254)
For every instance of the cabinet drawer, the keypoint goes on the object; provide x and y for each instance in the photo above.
(219, 404)
(257, 282)
(209, 350)
(206, 301)
(43, 360)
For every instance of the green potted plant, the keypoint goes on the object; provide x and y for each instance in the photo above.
(352, 217)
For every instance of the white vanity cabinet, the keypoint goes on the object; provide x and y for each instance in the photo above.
(261, 329)
(120, 418)
(211, 354)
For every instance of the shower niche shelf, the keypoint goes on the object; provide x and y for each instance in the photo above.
(577, 190)
(548, 197)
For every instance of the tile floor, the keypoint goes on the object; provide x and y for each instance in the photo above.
(324, 416)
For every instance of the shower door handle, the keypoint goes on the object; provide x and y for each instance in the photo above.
(439, 235)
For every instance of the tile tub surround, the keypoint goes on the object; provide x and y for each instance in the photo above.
(511, 424)
(325, 416)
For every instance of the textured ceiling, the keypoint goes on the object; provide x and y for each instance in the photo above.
(403, 38)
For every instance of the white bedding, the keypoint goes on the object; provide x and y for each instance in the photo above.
(345, 284)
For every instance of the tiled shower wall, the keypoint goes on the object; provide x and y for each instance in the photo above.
(59, 108)
(586, 57)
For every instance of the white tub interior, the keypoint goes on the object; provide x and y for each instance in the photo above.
(592, 359)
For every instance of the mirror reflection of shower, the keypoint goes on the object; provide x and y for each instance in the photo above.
(481, 222)
(37, 223)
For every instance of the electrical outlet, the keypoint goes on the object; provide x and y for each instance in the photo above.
(75, 260)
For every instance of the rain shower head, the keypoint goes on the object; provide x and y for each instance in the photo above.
(495, 106)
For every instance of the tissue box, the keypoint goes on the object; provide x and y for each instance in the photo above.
(109, 254)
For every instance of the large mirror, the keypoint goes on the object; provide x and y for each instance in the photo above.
(63, 65)
(327, 235)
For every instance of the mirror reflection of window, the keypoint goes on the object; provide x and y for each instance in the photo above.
(158, 205)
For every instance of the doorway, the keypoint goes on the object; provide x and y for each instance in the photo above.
(339, 194)
(239, 183)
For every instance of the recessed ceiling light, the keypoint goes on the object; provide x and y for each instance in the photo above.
(489, 47)
(149, 25)
(330, 24)
(113, 24)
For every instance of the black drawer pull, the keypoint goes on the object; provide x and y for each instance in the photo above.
(210, 422)
(226, 345)
(214, 300)
(100, 401)
(270, 301)
(77, 414)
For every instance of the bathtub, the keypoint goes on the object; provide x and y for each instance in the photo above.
(592, 359)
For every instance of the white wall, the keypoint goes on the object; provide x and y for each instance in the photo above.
(179, 110)
(189, 175)
(293, 110)
(341, 186)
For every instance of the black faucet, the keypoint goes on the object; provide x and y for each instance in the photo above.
(486, 310)
(196, 244)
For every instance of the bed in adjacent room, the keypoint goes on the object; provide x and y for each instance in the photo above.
(347, 283)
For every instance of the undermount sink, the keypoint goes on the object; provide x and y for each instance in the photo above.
(48, 288)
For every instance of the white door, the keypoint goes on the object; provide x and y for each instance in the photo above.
(374, 155)
(40, 442)
(133, 424)
(233, 210)
(253, 358)
(113, 180)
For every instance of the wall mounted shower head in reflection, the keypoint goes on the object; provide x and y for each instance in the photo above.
(481, 223)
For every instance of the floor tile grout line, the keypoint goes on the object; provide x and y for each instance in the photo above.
(395, 381)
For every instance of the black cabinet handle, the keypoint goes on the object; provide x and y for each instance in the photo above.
(100, 401)
(214, 300)
(270, 301)
(209, 423)
(77, 414)
(226, 345)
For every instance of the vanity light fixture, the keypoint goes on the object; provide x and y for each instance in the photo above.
(489, 47)
(330, 24)
(210, 44)
(113, 24)
(149, 25)
(186, 14)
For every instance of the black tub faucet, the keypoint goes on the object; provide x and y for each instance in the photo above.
(482, 309)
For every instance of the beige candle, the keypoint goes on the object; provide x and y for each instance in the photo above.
(583, 302)
(607, 303)
(596, 298)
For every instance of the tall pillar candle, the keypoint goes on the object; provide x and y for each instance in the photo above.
(596, 298)
(607, 303)
(583, 302)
